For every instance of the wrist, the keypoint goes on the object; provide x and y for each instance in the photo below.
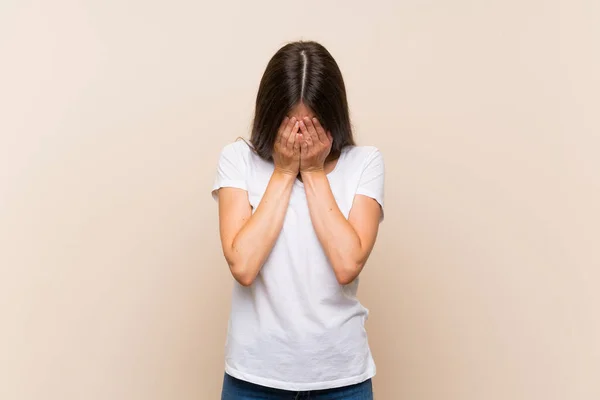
(284, 175)
(313, 175)
(312, 171)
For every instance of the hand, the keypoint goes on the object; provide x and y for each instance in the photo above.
(286, 151)
(315, 147)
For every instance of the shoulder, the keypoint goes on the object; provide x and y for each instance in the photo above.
(362, 156)
(239, 148)
(237, 153)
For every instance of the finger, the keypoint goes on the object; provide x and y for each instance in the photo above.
(305, 134)
(330, 137)
(306, 137)
(311, 129)
(304, 128)
(297, 143)
(286, 132)
(304, 145)
(292, 137)
(320, 131)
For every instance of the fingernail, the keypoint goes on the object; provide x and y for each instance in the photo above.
(296, 124)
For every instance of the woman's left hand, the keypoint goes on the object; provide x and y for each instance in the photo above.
(315, 146)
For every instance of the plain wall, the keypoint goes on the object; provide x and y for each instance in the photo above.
(484, 283)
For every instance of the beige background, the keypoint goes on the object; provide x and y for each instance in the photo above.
(485, 280)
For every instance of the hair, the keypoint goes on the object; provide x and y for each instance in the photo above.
(301, 72)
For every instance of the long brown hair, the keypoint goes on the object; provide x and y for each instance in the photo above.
(301, 72)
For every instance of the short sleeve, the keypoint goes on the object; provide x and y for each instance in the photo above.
(230, 170)
(371, 182)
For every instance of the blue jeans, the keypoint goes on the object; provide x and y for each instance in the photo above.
(235, 389)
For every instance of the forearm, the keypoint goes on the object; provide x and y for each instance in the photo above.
(254, 242)
(341, 243)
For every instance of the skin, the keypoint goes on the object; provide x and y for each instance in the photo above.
(301, 151)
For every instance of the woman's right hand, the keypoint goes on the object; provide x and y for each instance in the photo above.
(286, 152)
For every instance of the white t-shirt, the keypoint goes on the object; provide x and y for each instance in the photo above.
(296, 328)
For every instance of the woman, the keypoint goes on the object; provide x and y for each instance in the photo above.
(299, 210)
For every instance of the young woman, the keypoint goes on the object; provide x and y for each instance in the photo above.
(299, 210)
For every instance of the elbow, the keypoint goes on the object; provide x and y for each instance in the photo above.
(345, 279)
(242, 274)
(349, 273)
(244, 280)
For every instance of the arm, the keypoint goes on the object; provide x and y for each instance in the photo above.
(247, 239)
(347, 243)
